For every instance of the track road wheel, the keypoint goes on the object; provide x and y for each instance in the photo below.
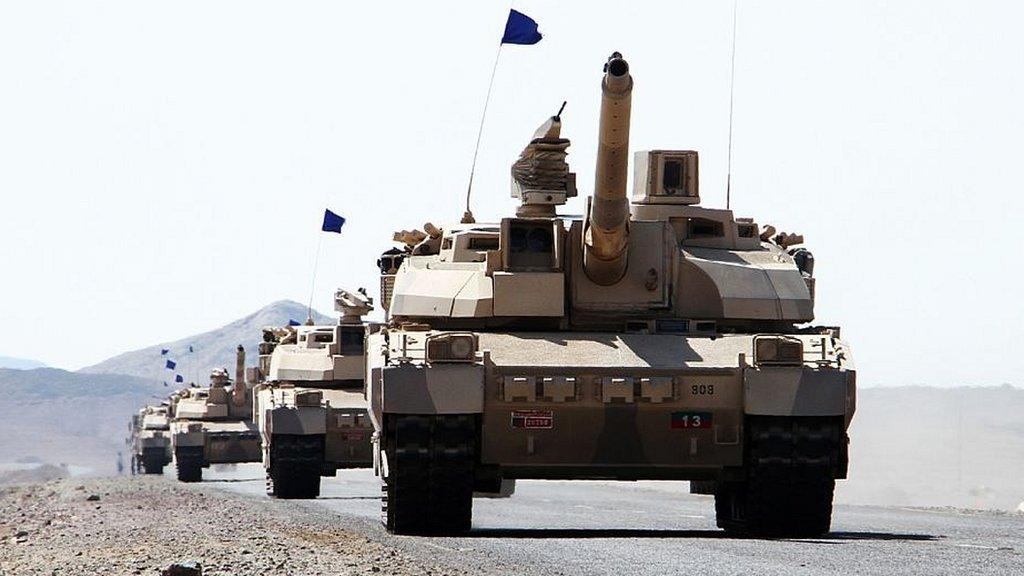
(791, 464)
(429, 487)
(188, 461)
(295, 465)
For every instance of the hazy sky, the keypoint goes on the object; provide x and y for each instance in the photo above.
(164, 165)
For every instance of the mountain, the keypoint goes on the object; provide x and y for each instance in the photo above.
(213, 349)
(910, 445)
(81, 418)
(20, 363)
(52, 415)
(923, 446)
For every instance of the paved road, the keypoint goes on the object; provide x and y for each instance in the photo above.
(657, 528)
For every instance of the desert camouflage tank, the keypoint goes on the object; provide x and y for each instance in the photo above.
(149, 440)
(310, 407)
(651, 339)
(213, 424)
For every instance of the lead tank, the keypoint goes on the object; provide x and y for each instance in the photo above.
(213, 424)
(310, 405)
(651, 339)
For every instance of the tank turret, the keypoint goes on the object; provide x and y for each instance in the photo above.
(606, 235)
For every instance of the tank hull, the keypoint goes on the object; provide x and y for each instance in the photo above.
(221, 442)
(609, 405)
(341, 420)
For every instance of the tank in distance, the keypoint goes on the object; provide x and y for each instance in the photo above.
(213, 424)
(149, 440)
(310, 405)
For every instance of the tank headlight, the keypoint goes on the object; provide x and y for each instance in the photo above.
(450, 347)
(778, 350)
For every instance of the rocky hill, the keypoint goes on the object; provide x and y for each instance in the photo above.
(55, 416)
(81, 418)
(923, 446)
(20, 363)
(213, 349)
(911, 445)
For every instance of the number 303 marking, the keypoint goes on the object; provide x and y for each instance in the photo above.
(702, 389)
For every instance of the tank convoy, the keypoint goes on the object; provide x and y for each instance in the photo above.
(652, 339)
(213, 424)
(310, 407)
(149, 440)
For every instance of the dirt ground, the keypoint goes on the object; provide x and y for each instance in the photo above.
(142, 525)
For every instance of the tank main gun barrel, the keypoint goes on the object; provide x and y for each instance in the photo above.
(606, 234)
(238, 389)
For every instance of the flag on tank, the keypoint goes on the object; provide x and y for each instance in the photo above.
(294, 322)
(170, 364)
(332, 222)
(520, 29)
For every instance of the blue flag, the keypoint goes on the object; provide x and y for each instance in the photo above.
(190, 349)
(178, 378)
(170, 364)
(165, 384)
(164, 351)
(294, 322)
(520, 29)
(332, 222)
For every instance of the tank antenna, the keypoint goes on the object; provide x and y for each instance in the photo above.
(467, 218)
(732, 83)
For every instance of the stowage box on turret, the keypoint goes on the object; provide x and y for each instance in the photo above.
(653, 339)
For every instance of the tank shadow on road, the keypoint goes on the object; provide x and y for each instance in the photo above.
(583, 533)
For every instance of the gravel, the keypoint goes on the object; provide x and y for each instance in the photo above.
(144, 525)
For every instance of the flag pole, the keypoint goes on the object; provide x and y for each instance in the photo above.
(467, 218)
(732, 84)
(312, 287)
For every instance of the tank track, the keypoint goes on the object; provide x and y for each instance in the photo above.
(791, 466)
(152, 461)
(188, 460)
(429, 487)
(295, 465)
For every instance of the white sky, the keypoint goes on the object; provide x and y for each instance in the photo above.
(164, 165)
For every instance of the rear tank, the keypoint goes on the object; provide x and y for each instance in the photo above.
(149, 440)
(652, 339)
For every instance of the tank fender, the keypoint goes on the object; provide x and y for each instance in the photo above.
(433, 389)
(189, 438)
(302, 420)
(797, 391)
